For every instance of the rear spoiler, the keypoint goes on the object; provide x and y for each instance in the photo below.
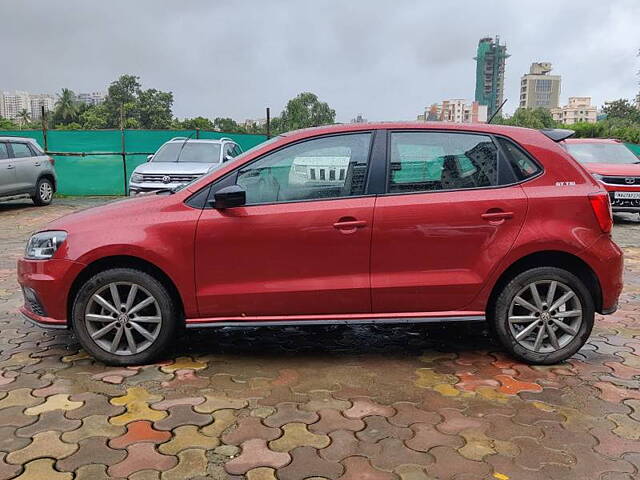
(557, 134)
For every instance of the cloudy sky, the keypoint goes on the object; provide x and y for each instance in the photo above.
(385, 60)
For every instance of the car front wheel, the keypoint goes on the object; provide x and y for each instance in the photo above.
(124, 316)
(543, 315)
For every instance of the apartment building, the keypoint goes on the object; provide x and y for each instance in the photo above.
(38, 101)
(13, 103)
(538, 89)
(92, 98)
(490, 64)
(456, 110)
(578, 109)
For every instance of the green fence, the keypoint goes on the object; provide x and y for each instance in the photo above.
(104, 174)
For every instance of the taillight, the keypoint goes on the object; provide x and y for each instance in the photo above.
(52, 161)
(602, 209)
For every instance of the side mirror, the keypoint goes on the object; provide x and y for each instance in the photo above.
(227, 157)
(149, 157)
(228, 197)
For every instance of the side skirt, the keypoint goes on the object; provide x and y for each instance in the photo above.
(192, 323)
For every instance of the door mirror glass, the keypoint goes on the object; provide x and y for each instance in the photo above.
(227, 157)
(228, 197)
(149, 157)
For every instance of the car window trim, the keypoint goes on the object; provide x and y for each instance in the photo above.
(467, 132)
(9, 152)
(511, 159)
(235, 171)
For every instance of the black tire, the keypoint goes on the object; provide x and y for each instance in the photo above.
(498, 316)
(166, 304)
(41, 198)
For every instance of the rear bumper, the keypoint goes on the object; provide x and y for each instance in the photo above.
(607, 261)
(46, 285)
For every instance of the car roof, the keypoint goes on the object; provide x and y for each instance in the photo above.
(592, 140)
(403, 125)
(201, 140)
(21, 139)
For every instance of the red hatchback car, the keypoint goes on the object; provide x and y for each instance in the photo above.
(611, 162)
(384, 223)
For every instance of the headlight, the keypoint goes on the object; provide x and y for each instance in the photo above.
(597, 176)
(44, 244)
(136, 178)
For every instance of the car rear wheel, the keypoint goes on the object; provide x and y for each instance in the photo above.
(124, 316)
(543, 316)
(44, 192)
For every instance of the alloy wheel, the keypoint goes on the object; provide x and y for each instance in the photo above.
(545, 316)
(46, 191)
(123, 318)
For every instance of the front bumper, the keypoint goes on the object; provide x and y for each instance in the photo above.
(46, 285)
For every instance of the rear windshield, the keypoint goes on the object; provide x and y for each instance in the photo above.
(188, 152)
(601, 153)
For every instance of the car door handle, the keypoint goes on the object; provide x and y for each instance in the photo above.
(344, 224)
(496, 216)
(9, 167)
(37, 164)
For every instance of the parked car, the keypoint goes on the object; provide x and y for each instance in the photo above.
(26, 171)
(431, 223)
(614, 165)
(179, 161)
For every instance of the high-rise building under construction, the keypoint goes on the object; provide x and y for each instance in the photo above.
(490, 61)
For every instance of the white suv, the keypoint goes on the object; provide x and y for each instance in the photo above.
(180, 161)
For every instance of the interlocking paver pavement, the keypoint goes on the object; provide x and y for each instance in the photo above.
(322, 402)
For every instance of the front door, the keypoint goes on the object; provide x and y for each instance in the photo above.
(301, 244)
(443, 225)
(7, 171)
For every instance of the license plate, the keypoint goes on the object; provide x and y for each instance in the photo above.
(626, 195)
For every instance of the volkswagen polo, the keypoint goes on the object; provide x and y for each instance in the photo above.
(380, 223)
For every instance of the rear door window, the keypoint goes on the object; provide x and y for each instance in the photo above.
(432, 161)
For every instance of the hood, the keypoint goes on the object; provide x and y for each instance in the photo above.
(129, 207)
(173, 168)
(614, 169)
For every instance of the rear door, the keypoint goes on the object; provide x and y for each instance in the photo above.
(445, 221)
(7, 170)
(28, 165)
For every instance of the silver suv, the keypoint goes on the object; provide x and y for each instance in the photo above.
(179, 161)
(26, 171)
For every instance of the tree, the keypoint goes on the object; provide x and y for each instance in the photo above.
(226, 125)
(24, 117)
(6, 124)
(122, 93)
(193, 123)
(622, 109)
(529, 117)
(94, 117)
(303, 111)
(154, 109)
(66, 108)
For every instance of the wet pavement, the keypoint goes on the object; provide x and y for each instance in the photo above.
(362, 402)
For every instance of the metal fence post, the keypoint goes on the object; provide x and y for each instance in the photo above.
(268, 123)
(44, 129)
(124, 150)
(197, 133)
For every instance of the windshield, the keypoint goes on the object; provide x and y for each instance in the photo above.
(192, 152)
(601, 153)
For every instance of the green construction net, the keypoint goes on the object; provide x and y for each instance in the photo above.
(104, 174)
